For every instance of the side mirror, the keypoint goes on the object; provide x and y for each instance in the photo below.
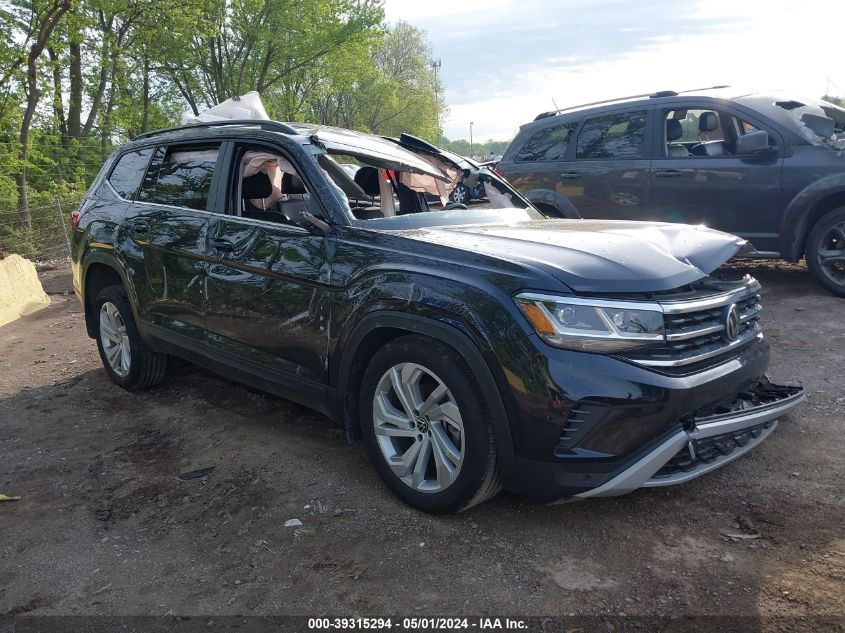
(753, 143)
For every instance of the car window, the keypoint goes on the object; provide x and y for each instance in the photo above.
(268, 187)
(180, 176)
(129, 170)
(547, 144)
(620, 135)
(694, 126)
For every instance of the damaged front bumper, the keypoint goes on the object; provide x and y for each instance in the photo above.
(712, 441)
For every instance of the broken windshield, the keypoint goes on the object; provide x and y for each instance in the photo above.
(818, 122)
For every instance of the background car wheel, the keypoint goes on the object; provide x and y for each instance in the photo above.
(128, 362)
(460, 194)
(825, 251)
(425, 425)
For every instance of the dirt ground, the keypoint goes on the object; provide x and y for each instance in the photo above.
(105, 525)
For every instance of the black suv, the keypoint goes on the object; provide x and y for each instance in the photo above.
(470, 349)
(767, 167)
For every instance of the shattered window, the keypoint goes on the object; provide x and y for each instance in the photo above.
(180, 177)
(619, 135)
(547, 144)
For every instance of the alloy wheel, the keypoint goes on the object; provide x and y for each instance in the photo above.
(115, 340)
(418, 427)
(831, 253)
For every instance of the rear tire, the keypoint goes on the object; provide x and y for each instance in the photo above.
(426, 426)
(127, 360)
(825, 251)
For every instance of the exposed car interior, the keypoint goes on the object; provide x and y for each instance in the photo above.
(695, 133)
(269, 188)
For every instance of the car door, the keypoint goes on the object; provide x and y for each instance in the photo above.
(608, 176)
(720, 189)
(168, 222)
(268, 284)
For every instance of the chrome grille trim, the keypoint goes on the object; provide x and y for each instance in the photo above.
(751, 287)
(689, 360)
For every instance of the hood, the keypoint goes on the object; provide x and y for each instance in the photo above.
(599, 256)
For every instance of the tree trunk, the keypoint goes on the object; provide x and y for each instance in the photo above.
(145, 120)
(58, 102)
(33, 94)
(74, 115)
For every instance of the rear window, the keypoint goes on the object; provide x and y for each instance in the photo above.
(547, 144)
(128, 172)
(180, 177)
(619, 135)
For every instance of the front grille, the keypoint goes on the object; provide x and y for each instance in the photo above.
(695, 330)
(708, 449)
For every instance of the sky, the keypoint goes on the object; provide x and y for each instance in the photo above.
(505, 61)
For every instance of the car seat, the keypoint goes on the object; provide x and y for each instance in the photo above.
(674, 131)
(708, 122)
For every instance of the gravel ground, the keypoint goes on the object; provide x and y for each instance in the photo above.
(105, 526)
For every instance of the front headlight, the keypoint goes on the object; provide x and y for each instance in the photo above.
(589, 325)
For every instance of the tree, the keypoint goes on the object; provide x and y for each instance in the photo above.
(36, 19)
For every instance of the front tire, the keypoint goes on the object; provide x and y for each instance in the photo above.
(126, 359)
(426, 426)
(460, 194)
(825, 251)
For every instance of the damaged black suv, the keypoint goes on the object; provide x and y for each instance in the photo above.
(472, 347)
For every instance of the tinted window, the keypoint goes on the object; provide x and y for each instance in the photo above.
(129, 171)
(547, 144)
(180, 177)
(614, 136)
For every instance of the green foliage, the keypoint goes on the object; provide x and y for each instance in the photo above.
(480, 150)
(111, 69)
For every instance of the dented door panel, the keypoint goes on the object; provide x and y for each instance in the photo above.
(268, 294)
(171, 292)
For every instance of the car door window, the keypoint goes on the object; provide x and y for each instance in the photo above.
(267, 186)
(128, 172)
(180, 176)
(547, 144)
(620, 135)
(692, 132)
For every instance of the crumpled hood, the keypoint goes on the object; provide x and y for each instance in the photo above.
(599, 256)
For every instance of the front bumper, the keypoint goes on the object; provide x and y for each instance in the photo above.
(713, 441)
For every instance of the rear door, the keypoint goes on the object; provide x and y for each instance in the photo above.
(609, 175)
(169, 222)
(725, 191)
(268, 282)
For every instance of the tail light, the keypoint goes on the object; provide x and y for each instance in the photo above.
(74, 219)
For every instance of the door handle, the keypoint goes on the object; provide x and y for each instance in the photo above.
(570, 175)
(668, 173)
(222, 245)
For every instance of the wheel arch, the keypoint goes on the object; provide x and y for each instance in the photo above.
(552, 199)
(806, 209)
(101, 270)
(377, 329)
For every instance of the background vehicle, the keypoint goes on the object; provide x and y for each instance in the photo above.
(767, 167)
(469, 348)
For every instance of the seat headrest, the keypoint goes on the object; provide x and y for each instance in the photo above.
(674, 130)
(292, 184)
(257, 186)
(367, 178)
(708, 122)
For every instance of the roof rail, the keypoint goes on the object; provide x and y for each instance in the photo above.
(650, 95)
(271, 126)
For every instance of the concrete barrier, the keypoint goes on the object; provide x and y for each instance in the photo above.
(20, 289)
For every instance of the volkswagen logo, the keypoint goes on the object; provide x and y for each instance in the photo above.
(731, 322)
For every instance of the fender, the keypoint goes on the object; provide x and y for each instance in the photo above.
(797, 220)
(554, 199)
(461, 343)
(97, 256)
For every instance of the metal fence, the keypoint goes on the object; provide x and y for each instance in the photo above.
(48, 237)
